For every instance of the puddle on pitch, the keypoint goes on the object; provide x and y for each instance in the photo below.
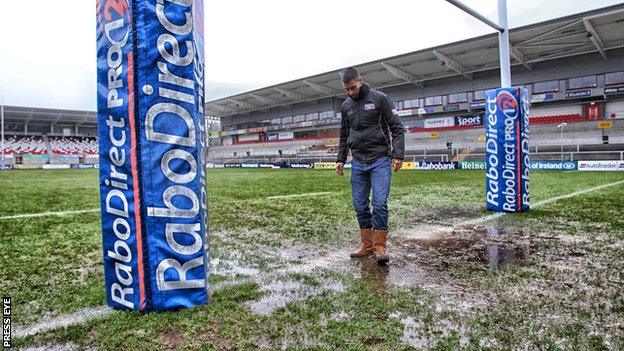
(427, 257)
(443, 215)
(412, 330)
(422, 335)
(70, 346)
(437, 250)
(231, 268)
(281, 292)
(493, 247)
(374, 273)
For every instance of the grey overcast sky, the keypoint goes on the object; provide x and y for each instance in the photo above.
(47, 48)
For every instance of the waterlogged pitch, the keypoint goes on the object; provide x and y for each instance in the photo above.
(459, 278)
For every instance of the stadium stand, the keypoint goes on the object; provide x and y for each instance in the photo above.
(583, 139)
(74, 145)
(578, 86)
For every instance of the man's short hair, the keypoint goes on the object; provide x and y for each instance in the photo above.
(348, 74)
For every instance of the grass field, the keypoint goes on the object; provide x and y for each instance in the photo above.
(281, 277)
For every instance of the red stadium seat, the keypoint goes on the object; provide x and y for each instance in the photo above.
(556, 119)
(25, 145)
(74, 145)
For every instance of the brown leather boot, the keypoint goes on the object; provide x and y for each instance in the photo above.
(379, 243)
(366, 248)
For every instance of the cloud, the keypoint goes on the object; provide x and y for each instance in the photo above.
(217, 90)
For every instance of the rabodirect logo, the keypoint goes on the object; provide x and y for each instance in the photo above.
(507, 104)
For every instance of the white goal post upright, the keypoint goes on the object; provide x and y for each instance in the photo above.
(503, 45)
(503, 36)
(507, 162)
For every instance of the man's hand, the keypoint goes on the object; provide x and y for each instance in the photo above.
(340, 168)
(397, 164)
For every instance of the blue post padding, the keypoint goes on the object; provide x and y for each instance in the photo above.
(152, 150)
(507, 150)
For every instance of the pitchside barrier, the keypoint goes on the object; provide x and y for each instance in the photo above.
(565, 166)
(553, 165)
(472, 165)
(601, 165)
(507, 150)
(261, 165)
(436, 165)
(324, 165)
(151, 143)
(408, 165)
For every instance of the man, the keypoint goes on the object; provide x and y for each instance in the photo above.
(371, 129)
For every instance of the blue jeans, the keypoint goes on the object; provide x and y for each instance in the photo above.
(375, 176)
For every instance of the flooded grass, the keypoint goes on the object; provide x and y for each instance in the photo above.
(282, 278)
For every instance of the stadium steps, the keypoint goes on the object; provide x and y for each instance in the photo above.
(463, 153)
(54, 158)
(46, 140)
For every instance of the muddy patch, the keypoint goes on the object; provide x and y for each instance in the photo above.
(443, 215)
(427, 257)
(441, 248)
(446, 261)
(172, 340)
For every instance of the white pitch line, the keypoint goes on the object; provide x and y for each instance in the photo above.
(300, 195)
(81, 316)
(543, 202)
(577, 193)
(45, 214)
(86, 315)
(64, 321)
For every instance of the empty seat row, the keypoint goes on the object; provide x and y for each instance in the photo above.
(556, 119)
(24, 145)
(74, 145)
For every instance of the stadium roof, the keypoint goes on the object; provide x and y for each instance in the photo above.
(48, 115)
(599, 31)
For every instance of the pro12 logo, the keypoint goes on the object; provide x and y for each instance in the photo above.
(114, 22)
(115, 13)
(507, 104)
